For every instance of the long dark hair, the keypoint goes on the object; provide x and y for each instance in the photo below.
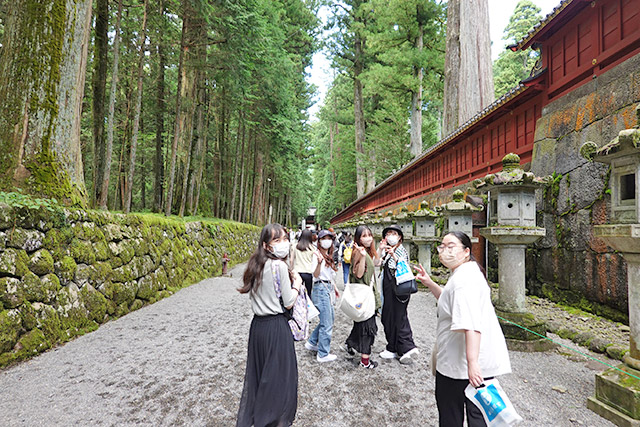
(305, 240)
(252, 278)
(466, 243)
(371, 250)
(328, 256)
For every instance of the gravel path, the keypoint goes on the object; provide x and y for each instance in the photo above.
(181, 362)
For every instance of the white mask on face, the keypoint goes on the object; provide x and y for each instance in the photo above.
(451, 260)
(366, 241)
(326, 243)
(393, 240)
(281, 249)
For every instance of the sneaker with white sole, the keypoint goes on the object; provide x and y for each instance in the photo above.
(328, 358)
(386, 354)
(406, 358)
(371, 365)
(310, 346)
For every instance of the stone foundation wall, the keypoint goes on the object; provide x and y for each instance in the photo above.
(570, 264)
(64, 272)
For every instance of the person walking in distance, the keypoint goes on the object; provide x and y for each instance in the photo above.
(323, 294)
(470, 346)
(270, 392)
(363, 334)
(346, 250)
(303, 259)
(395, 320)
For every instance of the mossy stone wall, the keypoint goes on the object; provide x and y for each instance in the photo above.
(64, 272)
(570, 264)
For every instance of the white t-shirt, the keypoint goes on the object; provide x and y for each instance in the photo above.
(327, 273)
(465, 304)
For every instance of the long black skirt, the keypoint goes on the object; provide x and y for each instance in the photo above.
(270, 393)
(362, 335)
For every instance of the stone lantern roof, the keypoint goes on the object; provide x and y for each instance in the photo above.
(512, 174)
(628, 140)
(458, 204)
(404, 214)
(425, 211)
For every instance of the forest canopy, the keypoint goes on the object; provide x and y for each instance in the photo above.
(200, 107)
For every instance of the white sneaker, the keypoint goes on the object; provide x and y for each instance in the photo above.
(386, 354)
(328, 358)
(406, 358)
(310, 346)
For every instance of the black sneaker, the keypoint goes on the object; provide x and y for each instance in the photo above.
(372, 364)
(348, 349)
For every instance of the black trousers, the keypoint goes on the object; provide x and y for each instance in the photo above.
(307, 278)
(452, 401)
(395, 320)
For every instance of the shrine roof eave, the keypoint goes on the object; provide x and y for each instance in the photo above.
(551, 23)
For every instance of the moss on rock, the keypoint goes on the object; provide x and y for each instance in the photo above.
(132, 260)
(10, 324)
(33, 342)
(14, 262)
(66, 269)
(10, 292)
(101, 251)
(82, 251)
(28, 240)
(94, 302)
(41, 262)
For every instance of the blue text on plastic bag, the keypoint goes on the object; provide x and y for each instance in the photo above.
(490, 399)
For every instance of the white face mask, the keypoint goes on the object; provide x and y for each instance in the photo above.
(451, 260)
(393, 240)
(281, 249)
(366, 241)
(326, 243)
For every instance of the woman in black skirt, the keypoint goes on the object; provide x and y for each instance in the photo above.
(363, 334)
(270, 393)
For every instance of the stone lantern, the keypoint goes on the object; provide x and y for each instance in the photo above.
(513, 227)
(617, 396)
(458, 215)
(405, 221)
(425, 234)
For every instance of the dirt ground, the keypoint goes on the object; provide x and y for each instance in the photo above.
(181, 361)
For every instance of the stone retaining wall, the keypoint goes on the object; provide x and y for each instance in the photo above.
(570, 264)
(64, 272)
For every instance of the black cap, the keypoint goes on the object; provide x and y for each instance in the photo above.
(393, 227)
(324, 233)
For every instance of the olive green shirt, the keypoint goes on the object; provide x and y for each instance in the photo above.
(367, 277)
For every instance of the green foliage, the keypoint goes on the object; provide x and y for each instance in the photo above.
(389, 60)
(512, 67)
(18, 199)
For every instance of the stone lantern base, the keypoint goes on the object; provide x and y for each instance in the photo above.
(511, 305)
(617, 397)
(519, 339)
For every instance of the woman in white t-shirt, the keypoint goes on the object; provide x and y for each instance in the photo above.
(470, 344)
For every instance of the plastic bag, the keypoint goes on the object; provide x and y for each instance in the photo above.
(494, 404)
(403, 272)
(312, 311)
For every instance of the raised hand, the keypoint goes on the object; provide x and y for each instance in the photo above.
(422, 275)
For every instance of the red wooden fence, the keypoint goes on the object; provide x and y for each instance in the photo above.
(579, 41)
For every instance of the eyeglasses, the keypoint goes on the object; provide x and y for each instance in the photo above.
(448, 247)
